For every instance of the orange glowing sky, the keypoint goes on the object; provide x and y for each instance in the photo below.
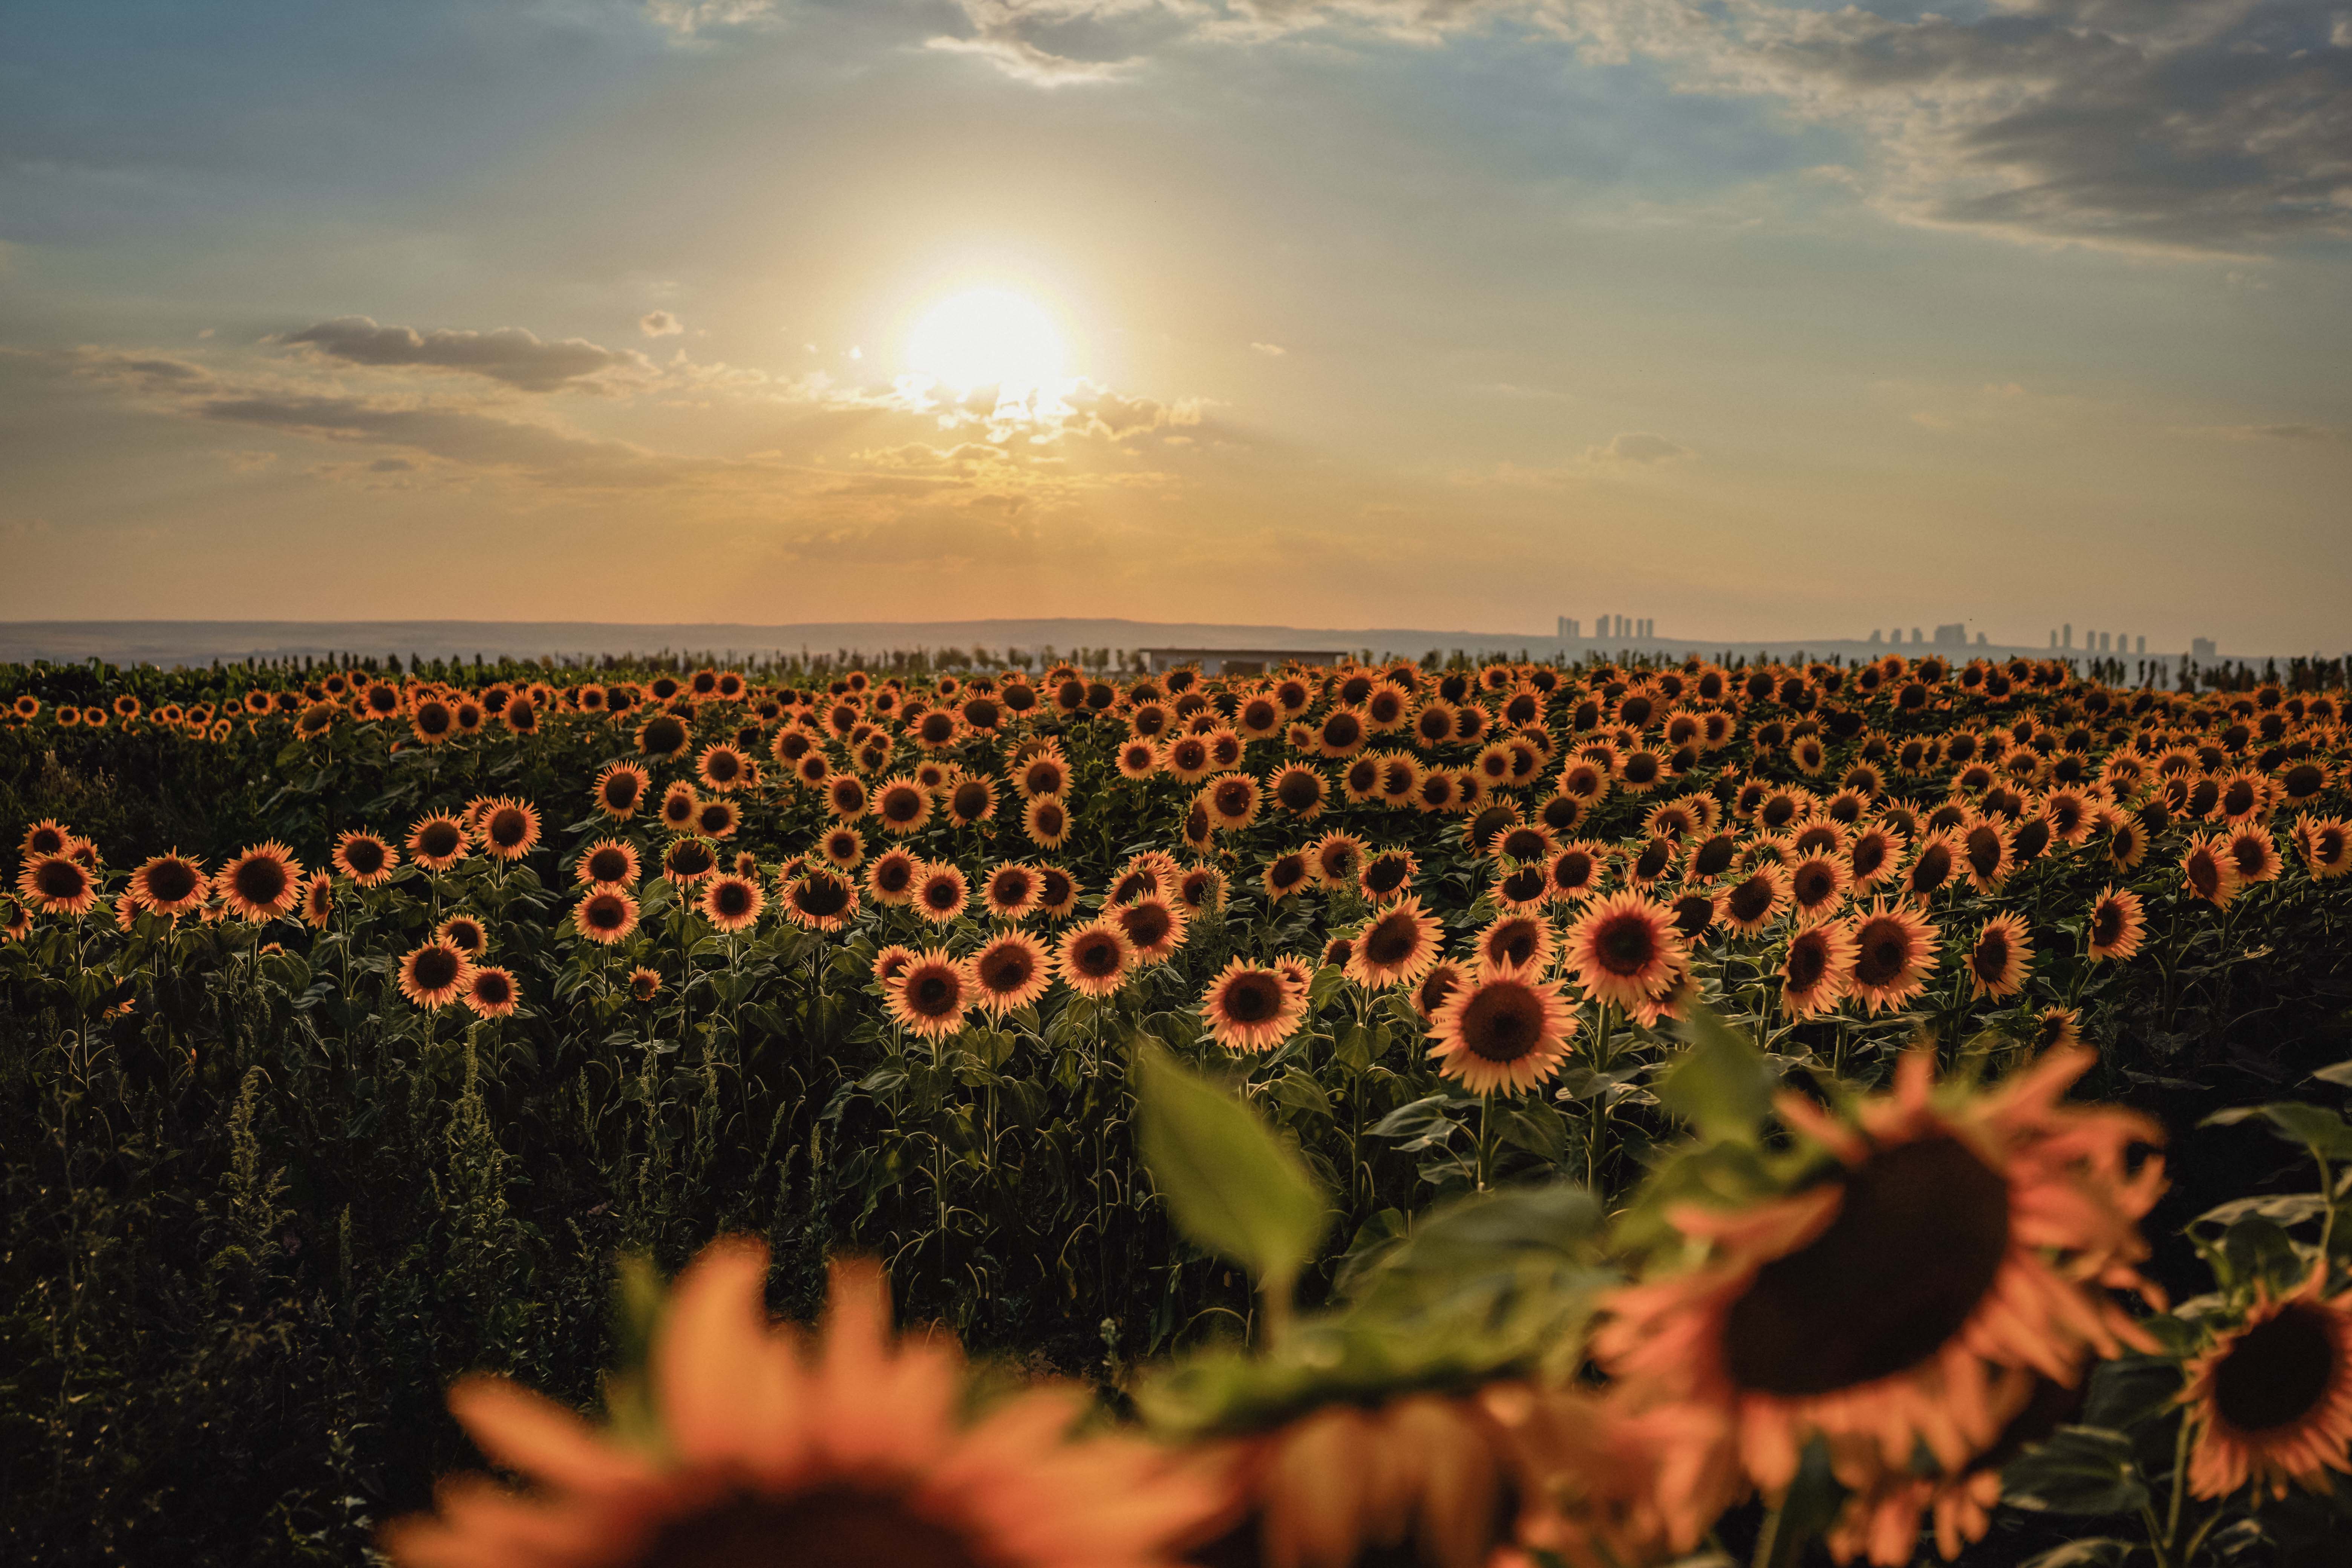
(1762, 321)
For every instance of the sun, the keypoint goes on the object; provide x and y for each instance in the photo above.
(989, 337)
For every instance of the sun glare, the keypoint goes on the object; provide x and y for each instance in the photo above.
(988, 337)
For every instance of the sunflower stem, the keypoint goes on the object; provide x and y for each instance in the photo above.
(1486, 1123)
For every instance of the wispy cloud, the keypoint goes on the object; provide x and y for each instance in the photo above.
(660, 324)
(510, 354)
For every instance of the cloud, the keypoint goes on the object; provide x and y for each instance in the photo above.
(687, 18)
(2292, 434)
(2182, 126)
(1272, 351)
(660, 324)
(518, 358)
(457, 433)
(1637, 446)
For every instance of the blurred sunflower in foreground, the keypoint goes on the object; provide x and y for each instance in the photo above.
(767, 1445)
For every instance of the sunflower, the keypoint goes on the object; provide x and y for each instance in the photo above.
(262, 883)
(1336, 859)
(1755, 900)
(1931, 868)
(46, 837)
(1445, 977)
(1818, 884)
(1045, 773)
(1154, 928)
(1396, 947)
(2212, 870)
(57, 884)
(1011, 892)
(1894, 951)
(490, 992)
(2326, 845)
(1417, 1478)
(819, 899)
(1286, 874)
(891, 878)
(971, 799)
(1504, 1028)
(607, 915)
(2117, 925)
(609, 861)
(1985, 854)
(1817, 968)
(715, 819)
(366, 858)
(509, 829)
(1959, 1235)
(2255, 854)
(434, 974)
(903, 806)
(1232, 800)
(1047, 820)
(465, 933)
(732, 904)
(1011, 972)
(932, 994)
(841, 1446)
(2000, 957)
(438, 842)
(171, 884)
(722, 767)
(688, 861)
(1388, 874)
(2272, 1400)
(661, 735)
(1201, 890)
(939, 892)
(1626, 950)
(1093, 959)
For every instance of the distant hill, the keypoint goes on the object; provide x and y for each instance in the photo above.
(172, 643)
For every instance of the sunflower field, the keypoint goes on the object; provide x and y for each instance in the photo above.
(1481, 1116)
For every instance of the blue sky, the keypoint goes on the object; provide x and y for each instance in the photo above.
(1754, 319)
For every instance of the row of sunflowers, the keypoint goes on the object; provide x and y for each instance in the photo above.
(1498, 1115)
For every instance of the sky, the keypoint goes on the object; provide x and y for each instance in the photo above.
(1757, 319)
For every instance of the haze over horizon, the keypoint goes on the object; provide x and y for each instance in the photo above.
(1763, 318)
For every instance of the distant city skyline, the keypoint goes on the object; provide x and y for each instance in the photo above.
(1482, 313)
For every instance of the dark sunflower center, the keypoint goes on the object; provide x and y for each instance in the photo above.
(60, 879)
(1503, 1022)
(901, 805)
(1984, 851)
(1513, 943)
(2204, 873)
(1009, 889)
(1233, 799)
(1391, 940)
(1148, 925)
(1933, 867)
(169, 881)
(1917, 1244)
(2277, 1371)
(258, 881)
(1625, 945)
(1385, 875)
(1991, 959)
(1653, 859)
(492, 989)
(1713, 856)
(822, 897)
(663, 735)
(1869, 855)
(2107, 924)
(1808, 958)
(1005, 969)
(509, 827)
(607, 865)
(1434, 990)
(1049, 817)
(941, 895)
(1814, 882)
(932, 994)
(732, 900)
(692, 858)
(439, 839)
(1574, 871)
(620, 792)
(1252, 998)
(970, 799)
(434, 969)
(606, 913)
(466, 936)
(1097, 958)
(1882, 950)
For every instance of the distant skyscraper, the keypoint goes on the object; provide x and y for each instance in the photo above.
(2066, 636)
(1916, 636)
(2143, 646)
